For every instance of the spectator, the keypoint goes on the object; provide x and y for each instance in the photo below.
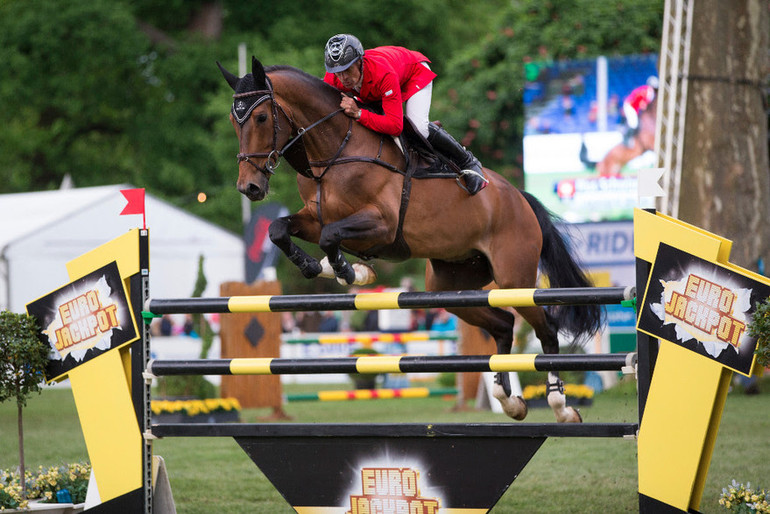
(188, 328)
(444, 321)
(308, 321)
(166, 325)
(372, 322)
(288, 325)
(329, 322)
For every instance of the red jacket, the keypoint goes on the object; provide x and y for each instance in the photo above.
(640, 98)
(391, 74)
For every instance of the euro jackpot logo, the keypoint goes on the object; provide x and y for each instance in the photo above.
(391, 490)
(702, 306)
(84, 319)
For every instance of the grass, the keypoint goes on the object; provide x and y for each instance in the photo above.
(566, 475)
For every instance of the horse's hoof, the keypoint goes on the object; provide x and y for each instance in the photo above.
(513, 406)
(568, 415)
(564, 414)
(365, 274)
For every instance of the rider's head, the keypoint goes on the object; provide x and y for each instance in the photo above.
(341, 52)
(652, 81)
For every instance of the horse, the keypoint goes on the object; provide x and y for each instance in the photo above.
(353, 183)
(642, 141)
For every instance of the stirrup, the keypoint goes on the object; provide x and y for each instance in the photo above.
(472, 176)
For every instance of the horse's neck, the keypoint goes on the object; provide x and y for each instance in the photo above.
(308, 105)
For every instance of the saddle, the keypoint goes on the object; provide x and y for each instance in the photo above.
(420, 155)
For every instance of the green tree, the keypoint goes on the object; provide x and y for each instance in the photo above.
(23, 358)
(69, 92)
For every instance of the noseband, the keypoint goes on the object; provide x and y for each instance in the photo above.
(272, 158)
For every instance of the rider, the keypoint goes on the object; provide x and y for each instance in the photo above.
(637, 102)
(394, 76)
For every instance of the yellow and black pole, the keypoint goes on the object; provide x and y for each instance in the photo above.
(394, 300)
(396, 364)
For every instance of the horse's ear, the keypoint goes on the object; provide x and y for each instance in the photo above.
(258, 71)
(229, 77)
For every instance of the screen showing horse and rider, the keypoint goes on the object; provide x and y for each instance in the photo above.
(590, 126)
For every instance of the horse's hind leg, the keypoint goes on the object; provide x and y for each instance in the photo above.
(546, 331)
(499, 324)
(474, 274)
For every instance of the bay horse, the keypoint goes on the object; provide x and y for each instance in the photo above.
(353, 182)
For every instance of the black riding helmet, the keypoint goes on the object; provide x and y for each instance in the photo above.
(341, 51)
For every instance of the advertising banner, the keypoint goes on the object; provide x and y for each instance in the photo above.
(590, 126)
(702, 306)
(84, 319)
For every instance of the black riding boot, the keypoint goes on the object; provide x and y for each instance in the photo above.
(470, 167)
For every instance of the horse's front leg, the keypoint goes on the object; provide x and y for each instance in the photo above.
(281, 231)
(363, 225)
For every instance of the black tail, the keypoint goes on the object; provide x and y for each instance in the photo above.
(563, 270)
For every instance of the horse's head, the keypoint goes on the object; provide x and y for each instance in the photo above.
(254, 114)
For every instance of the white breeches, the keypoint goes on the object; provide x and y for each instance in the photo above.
(417, 108)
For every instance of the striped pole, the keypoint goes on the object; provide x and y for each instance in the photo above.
(395, 364)
(394, 300)
(369, 337)
(370, 394)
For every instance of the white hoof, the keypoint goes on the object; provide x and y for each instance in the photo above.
(326, 269)
(365, 274)
(557, 400)
(514, 406)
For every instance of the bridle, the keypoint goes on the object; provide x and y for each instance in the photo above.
(272, 158)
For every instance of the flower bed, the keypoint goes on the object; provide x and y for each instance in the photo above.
(210, 410)
(65, 484)
(742, 498)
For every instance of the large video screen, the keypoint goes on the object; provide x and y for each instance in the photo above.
(590, 126)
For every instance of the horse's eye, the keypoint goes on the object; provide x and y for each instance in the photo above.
(261, 117)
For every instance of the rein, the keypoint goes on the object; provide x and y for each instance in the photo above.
(272, 158)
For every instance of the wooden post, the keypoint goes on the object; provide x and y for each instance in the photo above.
(252, 335)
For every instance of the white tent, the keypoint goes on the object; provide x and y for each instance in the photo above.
(41, 231)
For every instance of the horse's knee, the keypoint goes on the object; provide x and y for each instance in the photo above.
(278, 231)
(329, 241)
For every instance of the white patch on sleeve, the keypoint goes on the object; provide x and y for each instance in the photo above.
(388, 92)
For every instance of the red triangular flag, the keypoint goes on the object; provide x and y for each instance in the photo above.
(135, 203)
(135, 199)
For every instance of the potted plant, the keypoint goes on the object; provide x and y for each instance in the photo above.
(366, 380)
(23, 359)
